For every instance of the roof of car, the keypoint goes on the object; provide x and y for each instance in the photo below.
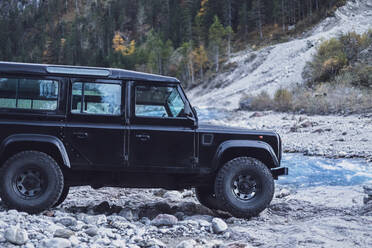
(77, 71)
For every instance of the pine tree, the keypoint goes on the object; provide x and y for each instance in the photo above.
(244, 19)
(200, 59)
(257, 14)
(216, 33)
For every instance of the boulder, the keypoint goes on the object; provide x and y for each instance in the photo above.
(16, 235)
(164, 220)
(218, 225)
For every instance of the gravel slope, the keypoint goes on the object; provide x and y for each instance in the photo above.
(279, 65)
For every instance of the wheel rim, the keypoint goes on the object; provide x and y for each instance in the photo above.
(29, 182)
(244, 187)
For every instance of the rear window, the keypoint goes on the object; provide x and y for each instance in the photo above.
(23, 93)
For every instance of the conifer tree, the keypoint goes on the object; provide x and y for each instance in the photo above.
(216, 34)
(257, 14)
(200, 59)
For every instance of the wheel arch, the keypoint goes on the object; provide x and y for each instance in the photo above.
(48, 144)
(231, 149)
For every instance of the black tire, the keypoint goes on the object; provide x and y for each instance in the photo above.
(30, 181)
(207, 197)
(63, 196)
(244, 186)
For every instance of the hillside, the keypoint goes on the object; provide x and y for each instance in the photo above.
(189, 39)
(281, 65)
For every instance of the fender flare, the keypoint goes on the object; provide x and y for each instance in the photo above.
(224, 146)
(15, 138)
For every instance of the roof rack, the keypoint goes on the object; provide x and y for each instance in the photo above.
(77, 71)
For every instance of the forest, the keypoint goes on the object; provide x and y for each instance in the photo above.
(188, 39)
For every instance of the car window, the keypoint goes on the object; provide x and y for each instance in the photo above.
(25, 93)
(158, 101)
(96, 98)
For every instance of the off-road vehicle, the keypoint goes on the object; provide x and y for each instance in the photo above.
(64, 126)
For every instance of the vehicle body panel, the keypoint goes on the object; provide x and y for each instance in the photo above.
(114, 150)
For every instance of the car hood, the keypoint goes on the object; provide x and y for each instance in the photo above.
(208, 128)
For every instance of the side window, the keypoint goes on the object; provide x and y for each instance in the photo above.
(96, 98)
(22, 93)
(158, 101)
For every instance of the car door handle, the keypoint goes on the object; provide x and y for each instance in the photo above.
(143, 137)
(81, 135)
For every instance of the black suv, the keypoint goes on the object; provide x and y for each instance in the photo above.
(64, 126)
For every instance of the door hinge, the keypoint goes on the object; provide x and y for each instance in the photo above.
(194, 161)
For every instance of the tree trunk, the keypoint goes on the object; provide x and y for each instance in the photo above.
(77, 7)
(201, 72)
(260, 23)
(283, 16)
(228, 45)
(217, 58)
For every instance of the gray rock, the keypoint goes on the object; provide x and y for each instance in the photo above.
(16, 235)
(95, 219)
(63, 233)
(119, 243)
(173, 195)
(74, 241)
(153, 243)
(367, 189)
(56, 243)
(103, 241)
(187, 244)
(92, 231)
(283, 193)
(67, 221)
(218, 225)
(126, 213)
(164, 220)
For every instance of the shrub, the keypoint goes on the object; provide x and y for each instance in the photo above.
(329, 59)
(283, 100)
(353, 44)
(260, 102)
(364, 74)
(332, 66)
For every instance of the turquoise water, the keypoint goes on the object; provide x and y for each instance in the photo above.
(305, 171)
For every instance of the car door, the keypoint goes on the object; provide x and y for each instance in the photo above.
(160, 133)
(95, 126)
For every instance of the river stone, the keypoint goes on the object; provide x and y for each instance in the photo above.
(368, 189)
(173, 195)
(164, 220)
(56, 243)
(126, 213)
(95, 219)
(16, 235)
(218, 225)
(187, 244)
(92, 231)
(67, 221)
(283, 193)
(119, 243)
(63, 233)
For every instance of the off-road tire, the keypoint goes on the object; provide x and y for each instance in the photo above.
(52, 185)
(264, 190)
(63, 196)
(207, 197)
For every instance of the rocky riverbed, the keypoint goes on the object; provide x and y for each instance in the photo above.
(312, 217)
(343, 136)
